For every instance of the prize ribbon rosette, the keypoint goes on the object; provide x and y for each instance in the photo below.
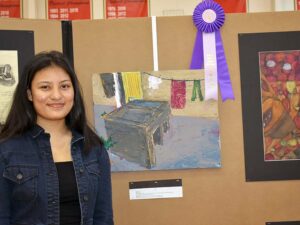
(208, 18)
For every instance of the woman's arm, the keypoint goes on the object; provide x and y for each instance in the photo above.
(4, 196)
(103, 214)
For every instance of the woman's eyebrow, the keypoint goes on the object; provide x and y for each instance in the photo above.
(69, 80)
(44, 81)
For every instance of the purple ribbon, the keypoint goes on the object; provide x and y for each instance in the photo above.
(209, 27)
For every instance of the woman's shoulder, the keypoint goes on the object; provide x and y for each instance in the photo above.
(12, 140)
(98, 153)
(14, 146)
(22, 141)
(99, 149)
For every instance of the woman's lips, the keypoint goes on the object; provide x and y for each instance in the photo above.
(56, 105)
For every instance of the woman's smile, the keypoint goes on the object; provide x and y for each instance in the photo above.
(56, 105)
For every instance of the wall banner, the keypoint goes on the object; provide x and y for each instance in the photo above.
(126, 8)
(69, 10)
(10, 9)
(233, 6)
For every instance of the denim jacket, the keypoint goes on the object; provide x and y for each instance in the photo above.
(29, 190)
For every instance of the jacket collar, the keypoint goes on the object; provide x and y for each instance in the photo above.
(76, 136)
(37, 130)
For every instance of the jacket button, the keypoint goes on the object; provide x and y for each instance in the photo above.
(85, 198)
(81, 170)
(19, 176)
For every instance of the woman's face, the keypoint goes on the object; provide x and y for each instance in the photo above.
(52, 94)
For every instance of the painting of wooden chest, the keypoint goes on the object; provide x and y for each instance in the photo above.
(135, 128)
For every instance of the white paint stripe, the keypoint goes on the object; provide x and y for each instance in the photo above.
(117, 90)
(154, 43)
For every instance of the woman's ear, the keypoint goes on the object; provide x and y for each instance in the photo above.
(29, 95)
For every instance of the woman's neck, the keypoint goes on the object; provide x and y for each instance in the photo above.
(60, 139)
(54, 128)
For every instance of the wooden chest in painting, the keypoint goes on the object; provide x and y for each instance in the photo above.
(136, 128)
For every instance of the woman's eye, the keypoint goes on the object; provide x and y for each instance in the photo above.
(44, 87)
(65, 86)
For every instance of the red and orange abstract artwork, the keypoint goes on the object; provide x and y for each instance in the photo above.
(280, 91)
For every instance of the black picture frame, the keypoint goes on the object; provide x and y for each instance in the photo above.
(250, 44)
(21, 41)
(284, 223)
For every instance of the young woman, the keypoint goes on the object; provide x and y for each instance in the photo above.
(53, 167)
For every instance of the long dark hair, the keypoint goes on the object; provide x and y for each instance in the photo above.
(22, 115)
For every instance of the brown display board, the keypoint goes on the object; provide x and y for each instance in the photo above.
(47, 34)
(210, 196)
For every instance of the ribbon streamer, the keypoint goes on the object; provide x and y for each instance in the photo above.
(210, 66)
(208, 18)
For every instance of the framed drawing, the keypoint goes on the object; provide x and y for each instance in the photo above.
(270, 88)
(16, 48)
(156, 120)
(9, 77)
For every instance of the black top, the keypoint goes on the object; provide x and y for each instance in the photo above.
(68, 194)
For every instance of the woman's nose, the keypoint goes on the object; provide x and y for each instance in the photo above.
(56, 93)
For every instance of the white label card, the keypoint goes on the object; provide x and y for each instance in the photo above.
(155, 189)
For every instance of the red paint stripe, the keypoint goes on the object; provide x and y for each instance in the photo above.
(178, 94)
